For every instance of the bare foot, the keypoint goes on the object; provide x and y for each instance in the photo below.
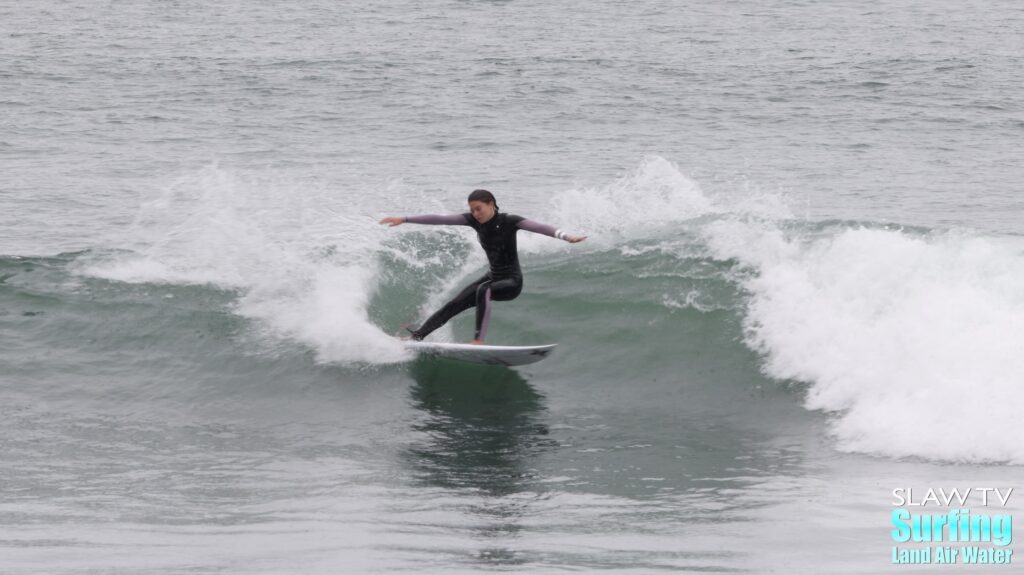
(477, 342)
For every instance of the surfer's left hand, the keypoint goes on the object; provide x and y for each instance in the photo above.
(575, 239)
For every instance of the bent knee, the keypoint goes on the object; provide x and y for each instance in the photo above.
(481, 292)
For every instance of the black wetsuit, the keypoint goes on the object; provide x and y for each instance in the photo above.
(504, 279)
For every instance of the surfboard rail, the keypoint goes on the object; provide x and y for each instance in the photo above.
(508, 355)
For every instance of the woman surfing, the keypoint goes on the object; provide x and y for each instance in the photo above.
(497, 234)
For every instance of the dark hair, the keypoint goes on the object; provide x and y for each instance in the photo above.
(483, 196)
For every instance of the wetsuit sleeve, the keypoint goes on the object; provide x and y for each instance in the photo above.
(437, 219)
(539, 228)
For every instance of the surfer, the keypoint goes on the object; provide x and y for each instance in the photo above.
(497, 234)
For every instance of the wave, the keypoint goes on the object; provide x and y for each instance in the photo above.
(909, 338)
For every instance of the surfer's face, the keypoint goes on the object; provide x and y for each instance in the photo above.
(482, 211)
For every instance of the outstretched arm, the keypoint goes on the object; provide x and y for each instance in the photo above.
(539, 228)
(435, 219)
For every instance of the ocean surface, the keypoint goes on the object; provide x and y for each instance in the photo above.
(803, 285)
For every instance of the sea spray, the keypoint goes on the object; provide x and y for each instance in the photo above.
(304, 268)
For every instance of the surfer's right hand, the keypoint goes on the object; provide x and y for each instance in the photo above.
(393, 221)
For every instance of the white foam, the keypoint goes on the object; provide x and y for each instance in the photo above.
(915, 342)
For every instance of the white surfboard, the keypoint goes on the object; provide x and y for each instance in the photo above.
(489, 354)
